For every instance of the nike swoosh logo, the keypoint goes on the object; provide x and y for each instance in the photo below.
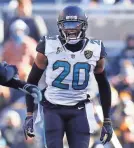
(80, 107)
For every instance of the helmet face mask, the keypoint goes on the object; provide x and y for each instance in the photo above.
(72, 23)
(71, 30)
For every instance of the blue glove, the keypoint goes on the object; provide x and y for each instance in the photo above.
(28, 127)
(5, 64)
(34, 91)
(106, 132)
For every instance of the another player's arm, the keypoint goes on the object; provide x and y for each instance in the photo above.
(7, 76)
(37, 70)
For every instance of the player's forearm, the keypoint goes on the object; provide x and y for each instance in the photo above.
(105, 93)
(15, 83)
(33, 78)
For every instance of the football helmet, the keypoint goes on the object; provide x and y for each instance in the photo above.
(72, 23)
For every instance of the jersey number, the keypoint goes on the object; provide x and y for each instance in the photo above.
(76, 72)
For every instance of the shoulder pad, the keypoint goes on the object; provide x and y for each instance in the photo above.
(41, 45)
(95, 41)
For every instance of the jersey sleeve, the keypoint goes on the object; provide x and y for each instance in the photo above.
(103, 53)
(41, 45)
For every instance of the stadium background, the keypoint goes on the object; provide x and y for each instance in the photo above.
(109, 20)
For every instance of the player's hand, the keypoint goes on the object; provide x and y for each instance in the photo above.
(28, 127)
(106, 132)
(34, 91)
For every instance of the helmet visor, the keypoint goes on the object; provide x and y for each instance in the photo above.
(72, 25)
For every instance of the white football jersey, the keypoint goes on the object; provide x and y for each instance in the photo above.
(68, 73)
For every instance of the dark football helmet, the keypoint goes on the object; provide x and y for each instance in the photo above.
(72, 23)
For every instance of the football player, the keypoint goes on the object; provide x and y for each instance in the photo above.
(68, 61)
(9, 78)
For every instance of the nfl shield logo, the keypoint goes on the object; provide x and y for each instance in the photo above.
(88, 54)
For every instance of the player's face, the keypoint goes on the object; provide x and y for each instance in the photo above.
(71, 29)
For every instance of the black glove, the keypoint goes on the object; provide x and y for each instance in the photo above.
(28, 127)
(34, 91)
(106, 132)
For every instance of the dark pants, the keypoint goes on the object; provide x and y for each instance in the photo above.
(71, 120)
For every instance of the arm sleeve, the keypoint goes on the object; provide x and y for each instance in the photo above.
(105, 93)
(41, 45)
(103, 53)
(15, 83)
(33, 78)
(7, 73)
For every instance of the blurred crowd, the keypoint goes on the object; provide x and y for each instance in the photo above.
(105, 2)
(123, 85)
(21, 32)
(120, 73)
(18, 39)
(88, 2)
